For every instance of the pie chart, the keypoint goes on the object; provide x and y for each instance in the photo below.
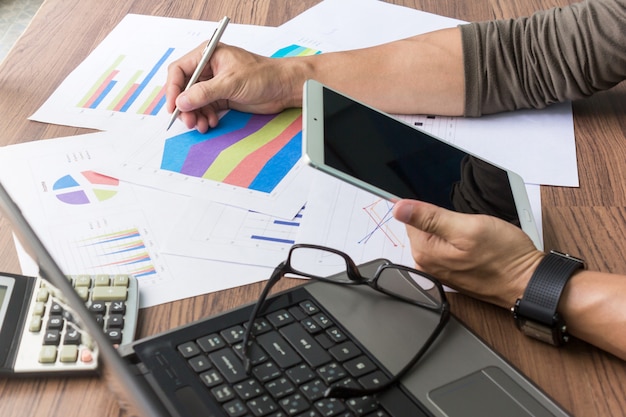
(87, 187)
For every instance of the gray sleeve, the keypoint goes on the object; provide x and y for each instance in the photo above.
(552, 56)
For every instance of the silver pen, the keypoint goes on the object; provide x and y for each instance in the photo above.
(206, 56)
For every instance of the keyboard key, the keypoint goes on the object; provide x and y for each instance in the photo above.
(211, 343)
(235, 408)
(223, 393)
(266, 371)
(363, 405)
(345, 351)
(305, 344)
(332, 372)
(280, 387)
(233, 335)
(280, 318)
(329, 407)
(309, 307)
(373, 380)
(188, 349)
(248, 389)
(211, 378)
(313, 390)
(294, 404)
(278, 349)
(229, 365)
(360, 366)
(262, 406)
(199, 363)
(300, 374)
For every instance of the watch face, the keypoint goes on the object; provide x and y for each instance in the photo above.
(539, 331)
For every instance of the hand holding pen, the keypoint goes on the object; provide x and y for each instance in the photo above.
(206, 56)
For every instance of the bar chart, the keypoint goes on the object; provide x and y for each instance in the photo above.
(126, 87)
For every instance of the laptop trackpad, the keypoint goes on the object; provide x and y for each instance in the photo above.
(486, 392)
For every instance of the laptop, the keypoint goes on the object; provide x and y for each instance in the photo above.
(195, 369)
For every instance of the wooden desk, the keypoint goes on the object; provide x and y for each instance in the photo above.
(589, 221)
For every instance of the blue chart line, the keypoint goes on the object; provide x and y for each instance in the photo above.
(280, 231)
(380, 212)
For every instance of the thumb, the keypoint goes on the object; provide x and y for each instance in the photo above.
(426, 217)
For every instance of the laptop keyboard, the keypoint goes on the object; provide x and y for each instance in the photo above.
(298, 352)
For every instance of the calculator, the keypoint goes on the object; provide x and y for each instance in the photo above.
(38, 334)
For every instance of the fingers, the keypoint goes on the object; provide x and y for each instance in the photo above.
(429, 218)
(178, 73)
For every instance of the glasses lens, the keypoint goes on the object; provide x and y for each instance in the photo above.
(318, 262)
(411, 286)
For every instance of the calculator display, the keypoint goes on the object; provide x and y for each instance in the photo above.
(4, 303)
(3, 293)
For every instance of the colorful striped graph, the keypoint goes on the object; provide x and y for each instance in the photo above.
(126, 95)
(294, 50)
(246, 150)
(124, 250)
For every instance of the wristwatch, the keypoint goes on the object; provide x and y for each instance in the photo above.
(535, 313)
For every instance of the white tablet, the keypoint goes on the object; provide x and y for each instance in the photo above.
(390, 158)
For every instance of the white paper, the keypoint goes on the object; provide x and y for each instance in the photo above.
(121, 82)
(94, 224)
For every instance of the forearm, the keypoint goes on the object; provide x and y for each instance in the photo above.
(592, 305)
(555, 55)
(422, 74)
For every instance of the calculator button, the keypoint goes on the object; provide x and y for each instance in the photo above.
(115, 336)
(98, 307)
(118, 307)
(68, 353)
(109, 294)
(39, 308)
(82, 281)
(120, 281)
(48, 354)
(55, 322)
(116, 321)
(72, 337)
(51, 337)
(83, 293)
(86, 356)
(42, 294)
(101, 281)
(56, 309)
(35, 323)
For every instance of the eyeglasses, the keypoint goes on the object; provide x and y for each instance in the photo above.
(397, 281)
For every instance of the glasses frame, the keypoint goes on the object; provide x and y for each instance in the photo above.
(355, 278)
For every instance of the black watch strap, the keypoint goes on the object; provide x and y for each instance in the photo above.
(535, 313)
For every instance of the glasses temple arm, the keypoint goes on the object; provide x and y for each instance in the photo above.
(276, 276)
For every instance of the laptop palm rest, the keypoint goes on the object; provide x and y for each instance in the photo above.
(459, 368)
